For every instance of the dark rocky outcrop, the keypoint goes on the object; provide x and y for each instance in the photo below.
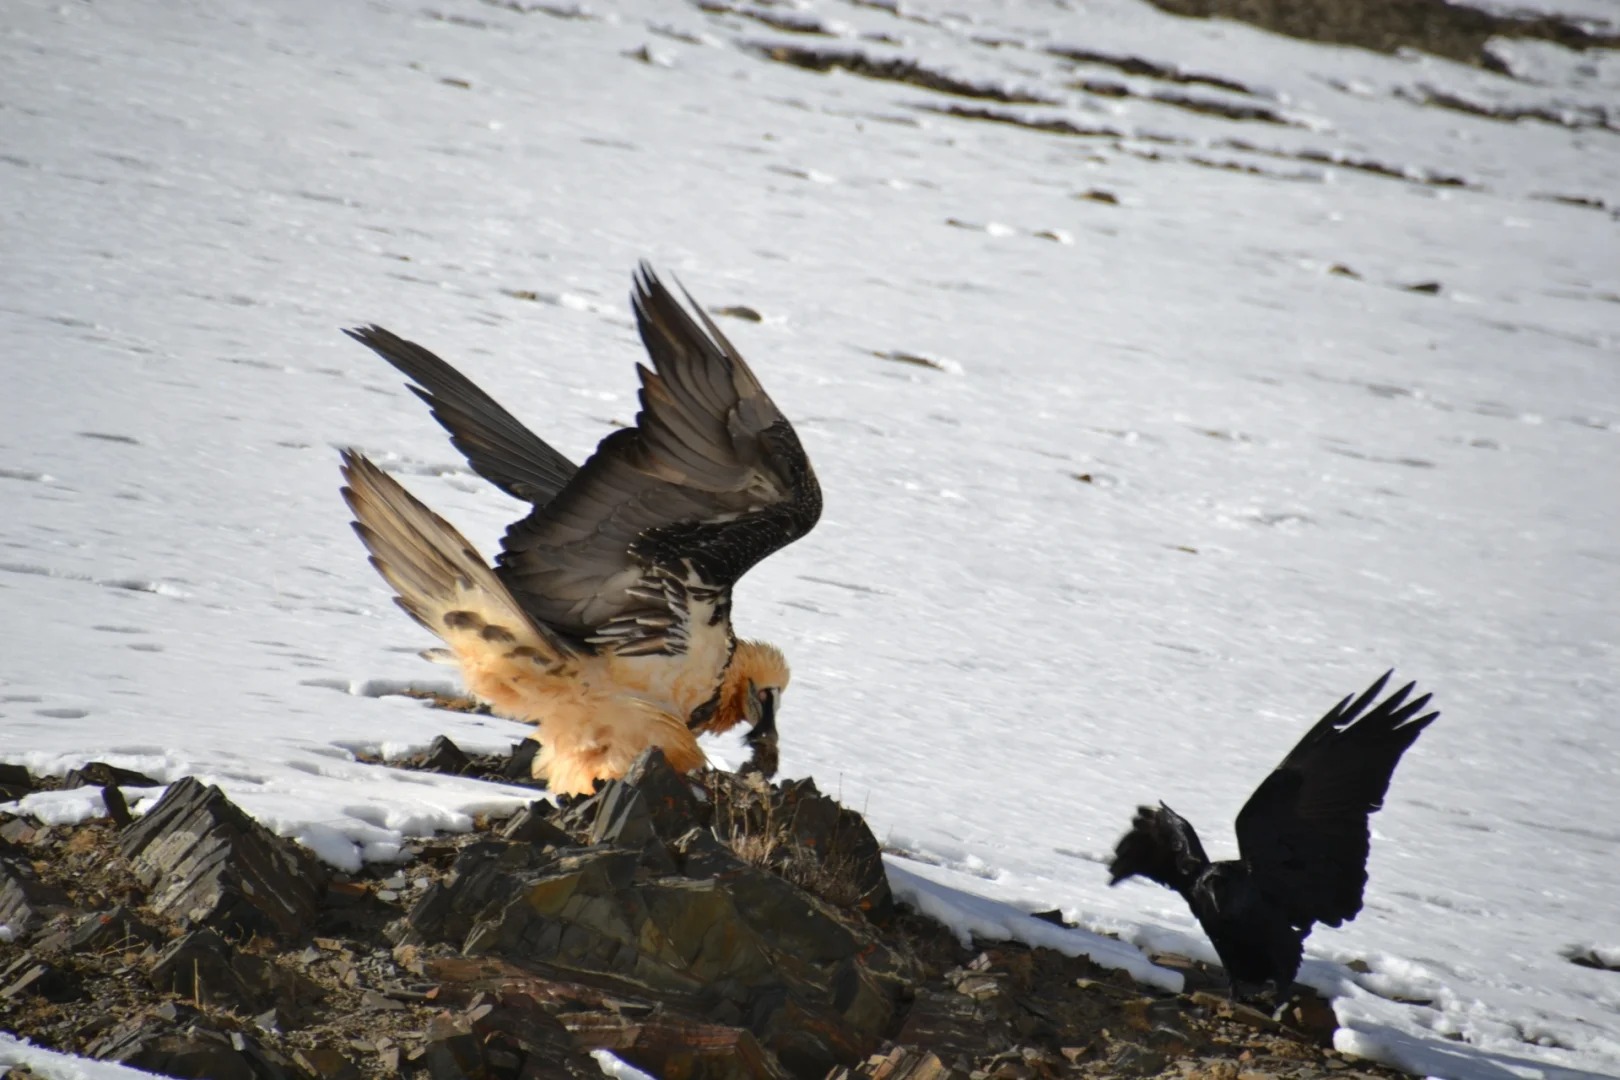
(708, 926)
(656, 902)
(14, 782)
(203, 859)
(25, 900)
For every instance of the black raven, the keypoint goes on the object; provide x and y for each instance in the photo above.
(1302, 837)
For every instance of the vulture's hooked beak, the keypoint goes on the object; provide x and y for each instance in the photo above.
(762, 705)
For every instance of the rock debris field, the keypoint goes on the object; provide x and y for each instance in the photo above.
(714, 926)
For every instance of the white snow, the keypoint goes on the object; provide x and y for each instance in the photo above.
(75, 804)
(970, 915)
(613, 1066)
(1296, 475)
(49, 1065)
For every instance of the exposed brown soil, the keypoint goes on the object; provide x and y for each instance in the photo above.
(892, 69)
(1451, 30)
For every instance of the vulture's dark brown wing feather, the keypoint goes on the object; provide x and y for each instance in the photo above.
(1303, 832)
(496, 445)
(709, 481)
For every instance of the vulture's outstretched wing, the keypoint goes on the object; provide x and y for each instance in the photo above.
(1304, 830)
(1161, 846)
(674, 510)
(496, 445)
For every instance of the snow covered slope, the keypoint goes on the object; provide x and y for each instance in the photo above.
(1240, 369)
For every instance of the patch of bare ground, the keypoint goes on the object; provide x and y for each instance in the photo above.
(893, 69)
(707, 926)
(1572, 116)
(1057, 125)
(1452, 30)
(785, 20)
(1585, 202)
(1152, 69)
(1242, 110)
(1051, 125)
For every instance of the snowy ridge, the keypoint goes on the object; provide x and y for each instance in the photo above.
(1238, 413)
(973, 916)
(53, 1066)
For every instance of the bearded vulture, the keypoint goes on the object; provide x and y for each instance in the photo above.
(1302, 838)
(606, 619)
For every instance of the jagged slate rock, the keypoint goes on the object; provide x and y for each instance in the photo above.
(1312, 1015)
(26, 901)
(516, 1023)
(864, 1003)
(620, 817)
(941, 1021)
(267, 1063)
(532, 917)
(669, 937)
(485, 874)
(28, 977)
(702, 855)
(1225, 1007)
(374, 1001)
(699, 926)
(15, 782)
(456, 1057)
(790, 919)
(20, 831)
(427, 917)
(1129, 1059)
(844, 844)
(578, 815)
(117, 805)
(671, 802)
(520, 764)
(102, 931)
(199, 968)
(812, 941)
(325, 1063)
(1148, 1014)
(901, 1063)
(101, 774)
(669, 1044)
(812, 1041)
(533, 825)
(204, 859)
(190, 1049)
(446, 757)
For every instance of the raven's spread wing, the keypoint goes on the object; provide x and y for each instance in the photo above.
(496, 445)
(709, 481)
(1161, 846)
(1304, 830)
